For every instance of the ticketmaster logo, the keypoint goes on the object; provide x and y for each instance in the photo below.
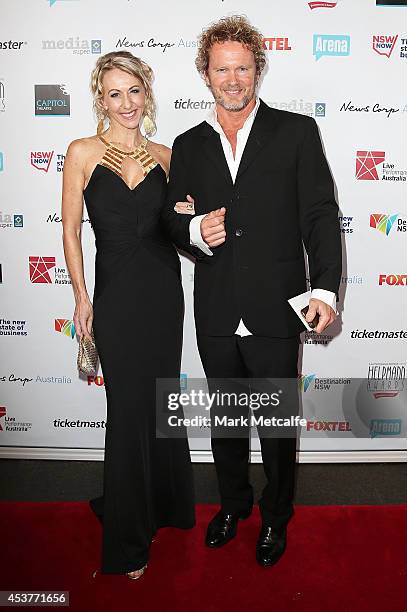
(331, 45)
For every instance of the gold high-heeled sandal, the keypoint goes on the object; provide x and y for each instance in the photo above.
(138, 573)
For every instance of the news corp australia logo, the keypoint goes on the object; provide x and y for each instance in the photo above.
(331, 45)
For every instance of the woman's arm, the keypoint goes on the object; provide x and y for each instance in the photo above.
(72, 208)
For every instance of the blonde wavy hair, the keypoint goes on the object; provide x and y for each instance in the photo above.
(126, 61)
(235, 28)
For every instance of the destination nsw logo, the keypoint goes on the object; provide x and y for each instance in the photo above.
(384, 223)
(65, 327)
(308, 381)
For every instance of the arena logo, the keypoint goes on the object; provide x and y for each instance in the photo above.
(2, 97)
(328, 426)
(358, 334)
(312, 109)
(11, 423)
(78, 424)
(188, 104)
(314, 339)
(315, 5)
(276, 43)
(377, 109)
(141, 44)
(76, 45)
(65, 327)
(1, 161)
(10, 220)
(384, 45)
(393, 280)
(40, 268)
(12, 45)
(345, 224)
(52, 100)
(331, 45)
(386, 380)
(384, 427)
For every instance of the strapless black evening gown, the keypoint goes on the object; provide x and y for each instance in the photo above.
(138, 319)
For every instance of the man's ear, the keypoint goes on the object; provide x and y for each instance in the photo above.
(206, 79)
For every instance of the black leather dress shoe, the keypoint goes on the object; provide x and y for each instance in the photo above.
(223, 527)
(270, 545)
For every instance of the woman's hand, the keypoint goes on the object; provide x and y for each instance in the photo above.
(185, 208)
(83, 318)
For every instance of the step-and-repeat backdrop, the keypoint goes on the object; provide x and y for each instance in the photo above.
(343, 63)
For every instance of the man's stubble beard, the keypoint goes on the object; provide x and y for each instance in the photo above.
(230, 106)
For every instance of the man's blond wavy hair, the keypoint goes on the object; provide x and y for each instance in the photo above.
(235, 28)
(126, 61)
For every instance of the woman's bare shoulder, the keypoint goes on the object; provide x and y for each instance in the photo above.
(160, 150)
(84, 146)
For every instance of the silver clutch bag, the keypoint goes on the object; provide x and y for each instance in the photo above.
(88, 356)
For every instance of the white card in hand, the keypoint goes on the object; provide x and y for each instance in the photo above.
(299, 302)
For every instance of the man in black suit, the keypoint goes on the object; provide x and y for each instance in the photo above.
(262, 189)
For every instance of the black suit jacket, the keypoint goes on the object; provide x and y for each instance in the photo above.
(282, 198)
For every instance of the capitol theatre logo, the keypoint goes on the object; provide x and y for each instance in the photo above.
(52, 100)
(39, 269)
(366, 164)
(331, 45)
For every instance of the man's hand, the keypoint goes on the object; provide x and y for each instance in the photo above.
(326, 314)
(213, 227)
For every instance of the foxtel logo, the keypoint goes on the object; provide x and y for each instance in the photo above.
(276, 44)
(384, 45)
(41, 159)
(393, 279)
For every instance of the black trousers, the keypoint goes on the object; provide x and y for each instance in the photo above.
(254, 357)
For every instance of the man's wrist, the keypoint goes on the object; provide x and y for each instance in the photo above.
(195, 236)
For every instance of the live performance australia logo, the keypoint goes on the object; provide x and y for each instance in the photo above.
(371, 166)
(52, 100)
(386, 379)
(386, 44)
(10, 423)
(74, 44)
(43, 270)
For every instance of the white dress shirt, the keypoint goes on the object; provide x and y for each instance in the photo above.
(233, 163)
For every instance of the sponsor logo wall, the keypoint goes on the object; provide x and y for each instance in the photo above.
(341, 63)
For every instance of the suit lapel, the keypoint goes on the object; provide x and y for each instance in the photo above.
(262, 128)
(213, 149)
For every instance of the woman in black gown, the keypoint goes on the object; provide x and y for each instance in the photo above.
(137, 312)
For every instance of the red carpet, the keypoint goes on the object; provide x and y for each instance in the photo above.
(338, 558)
